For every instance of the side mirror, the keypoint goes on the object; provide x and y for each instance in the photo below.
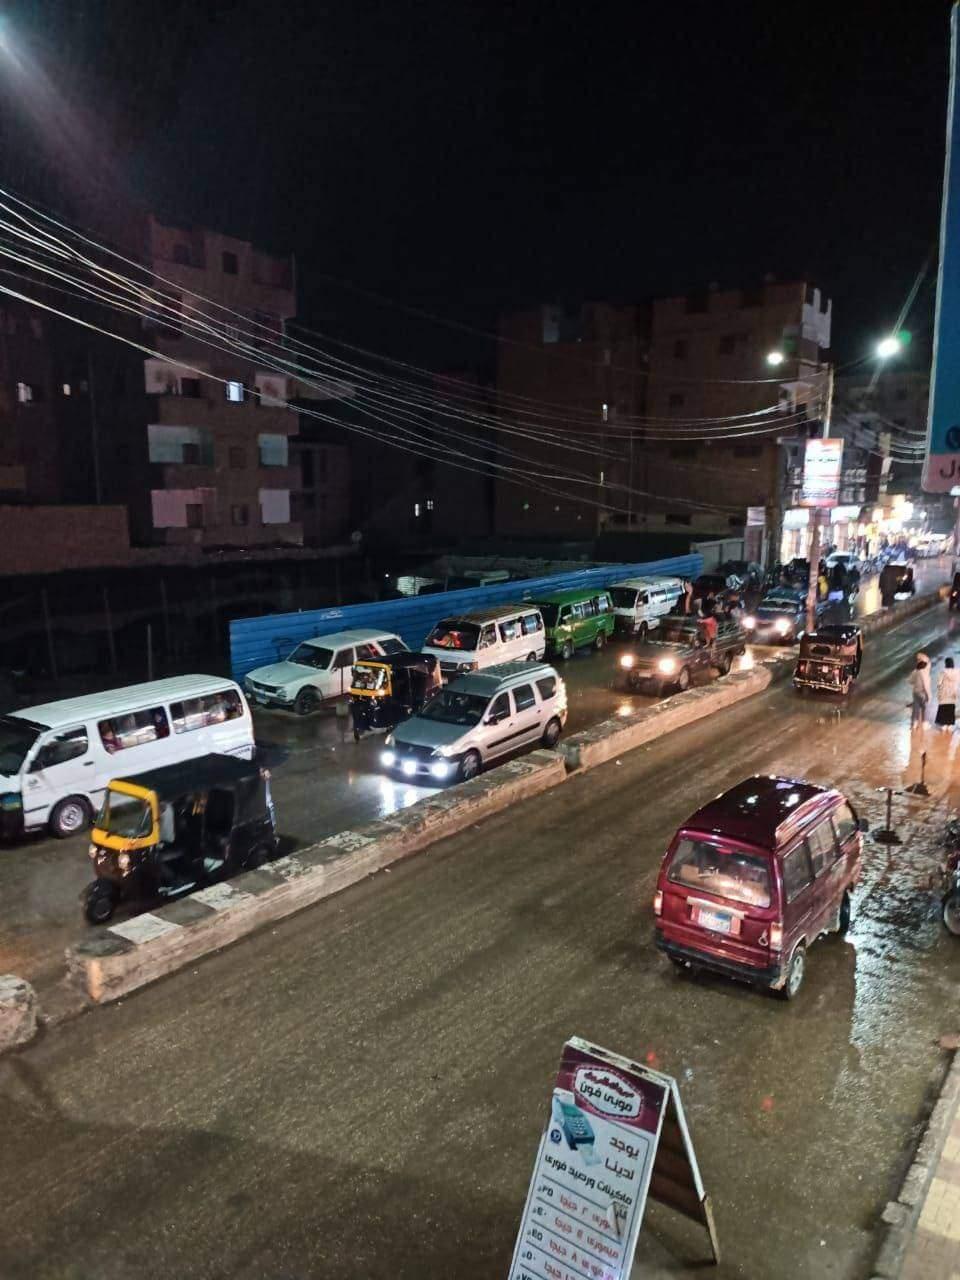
(864, 825)
(496, 717)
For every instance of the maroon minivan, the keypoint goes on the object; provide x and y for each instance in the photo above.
(755, 876)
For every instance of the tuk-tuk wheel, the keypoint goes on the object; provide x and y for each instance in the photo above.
(100, 902)
(951, 913)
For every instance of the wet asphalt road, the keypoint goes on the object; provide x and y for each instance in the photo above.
(323, 782)
(359, 1091)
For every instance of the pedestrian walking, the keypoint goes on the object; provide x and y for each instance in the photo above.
(920, 685)
(947, 688)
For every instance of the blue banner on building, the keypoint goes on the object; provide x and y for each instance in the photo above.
(941, 468)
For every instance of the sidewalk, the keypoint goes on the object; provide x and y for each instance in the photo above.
(923, 1242)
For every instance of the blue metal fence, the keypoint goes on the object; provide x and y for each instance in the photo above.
(254, 642)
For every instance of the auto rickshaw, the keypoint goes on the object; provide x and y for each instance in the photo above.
(830, 658)
(385, 691)
(168, 831)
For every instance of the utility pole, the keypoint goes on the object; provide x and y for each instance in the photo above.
(814, 552)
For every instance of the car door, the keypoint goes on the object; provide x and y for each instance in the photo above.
(799, 897)
(339, 674)
(500, 727)
(827, 871)
(846, 827)
(62, 766)
(528, 713)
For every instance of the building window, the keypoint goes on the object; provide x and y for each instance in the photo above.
(728, 344)
(229, 263)
(190, 387)
(676, 400)
(235, 392)
(66, 389)
(429, 504)
(181, 254)
(27, 393)
(273, 450)
(238, 457)
(416, 509)
(605, 412)
(190, 453)
(680, 349)
(240, 514)
(194, 512)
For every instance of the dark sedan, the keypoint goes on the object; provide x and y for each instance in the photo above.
(779, 618)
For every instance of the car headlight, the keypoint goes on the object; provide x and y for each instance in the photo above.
(749, 623)
(783, 625)
(440, 769)
(627, 661)
(388, 758)
(667, 665)
(123, 862)
(409, 768)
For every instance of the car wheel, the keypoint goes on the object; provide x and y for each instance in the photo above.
(551, 733)
(469, 766)
(844, 914)
(683, 680)
(69, 817)
(566, 653)
(951, 913)
(726, 662)
(600, 641)
(795, 972)
(100, 902)
(306, 701)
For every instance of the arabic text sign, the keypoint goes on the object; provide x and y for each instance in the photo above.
(592, 1173)
(821, 473)
(941, 467)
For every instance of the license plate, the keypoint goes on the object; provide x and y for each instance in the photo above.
(718, 921)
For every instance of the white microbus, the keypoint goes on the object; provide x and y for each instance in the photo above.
(56, 759)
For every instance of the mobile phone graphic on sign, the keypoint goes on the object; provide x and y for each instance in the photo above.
(574, 1125)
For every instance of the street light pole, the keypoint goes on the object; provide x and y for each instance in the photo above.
(813, 578)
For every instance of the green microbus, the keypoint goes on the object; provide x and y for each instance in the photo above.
(575, 619)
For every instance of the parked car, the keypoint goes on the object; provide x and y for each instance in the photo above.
(755, 876)
(680, 649)
(576, 620)
(487, 638)
(640, 603)
(476, 719)
(780, 617)
(319, 669)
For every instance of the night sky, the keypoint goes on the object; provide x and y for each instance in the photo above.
(459, 157)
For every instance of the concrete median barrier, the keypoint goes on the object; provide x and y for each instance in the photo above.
(135, 952)
(18, 1012)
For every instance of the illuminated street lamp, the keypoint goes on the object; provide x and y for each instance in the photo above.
(888, 347)
(775, 357)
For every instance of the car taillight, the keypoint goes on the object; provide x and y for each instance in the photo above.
(776, 937)
(657, 903)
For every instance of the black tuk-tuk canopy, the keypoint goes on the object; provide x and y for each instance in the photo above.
(834, 633)
(202, 773)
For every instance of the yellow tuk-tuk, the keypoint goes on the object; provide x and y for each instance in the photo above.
(387, 690)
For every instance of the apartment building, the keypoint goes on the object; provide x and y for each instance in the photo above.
(219, 471)
(569, 382)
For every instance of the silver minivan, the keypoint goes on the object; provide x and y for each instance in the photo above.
(477, 718)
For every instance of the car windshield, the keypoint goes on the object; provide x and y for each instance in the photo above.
(623, 597)
(450, 707)
(311, 655)
(453, 633)
(125, 815)
(713, 867)
(16, 739)
(777, 603)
